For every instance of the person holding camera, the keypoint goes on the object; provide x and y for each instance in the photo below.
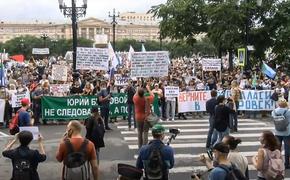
(223, 168)
(76, 153)
(156, 158)
(104, 98)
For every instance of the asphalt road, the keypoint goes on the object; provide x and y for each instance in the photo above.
(120, 148)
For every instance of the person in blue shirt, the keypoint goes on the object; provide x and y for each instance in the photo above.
(167, 152)
(24, 118)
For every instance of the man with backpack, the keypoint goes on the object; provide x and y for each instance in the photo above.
(224, 169)
(77, 153)
(95, 130)
(156, 158)
(24, 159)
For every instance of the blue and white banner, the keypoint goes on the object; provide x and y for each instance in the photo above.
(251, 100)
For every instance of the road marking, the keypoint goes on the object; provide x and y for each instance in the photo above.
(192, 156)
(183, 137)
(2, 134)
(199, 168)
(206, 130)
(197, 125)
(200, 145)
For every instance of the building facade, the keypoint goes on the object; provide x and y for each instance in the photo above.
(89, 28)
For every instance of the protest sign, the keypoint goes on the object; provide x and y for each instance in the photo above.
(92, 58)
(2, 108)
(16, 98)
(149, 64)
(79, 107)
(59, 89)
(211, 64)
(40, 51)
(251, 100)
(121, 80)
(59, 72)
(33, 129)
(171, 91)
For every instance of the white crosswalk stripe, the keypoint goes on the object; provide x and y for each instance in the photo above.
(192, 137)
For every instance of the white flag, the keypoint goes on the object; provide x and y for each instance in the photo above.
(112, 56)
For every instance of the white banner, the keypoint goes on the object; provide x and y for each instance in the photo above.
(121, 80)
(16, 98)
(2, 110)
(92, 58)
(59, 72)
(101, 39)
(171, 91)
(59, 89)
(211, 64)
(251, 100)
(40, 51)
(150, 64)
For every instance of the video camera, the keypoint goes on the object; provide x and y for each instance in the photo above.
(174, 132)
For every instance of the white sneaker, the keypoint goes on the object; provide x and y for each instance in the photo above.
(172, 119)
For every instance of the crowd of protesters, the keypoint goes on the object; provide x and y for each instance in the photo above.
(35, 77)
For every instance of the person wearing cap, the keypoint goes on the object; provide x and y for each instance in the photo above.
(167, 152)
(95, 130)
(222, 164)
(24, 116)
(36, 106)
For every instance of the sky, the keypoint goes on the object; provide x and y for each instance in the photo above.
(48, 10)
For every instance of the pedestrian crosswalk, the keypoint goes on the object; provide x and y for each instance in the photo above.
(190, 143)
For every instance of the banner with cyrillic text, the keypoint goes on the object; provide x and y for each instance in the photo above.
(150, 64)
(40, 51)
(171, 91)
(211, 64)
(121, 80)
(92, 58)
(59, 73)
(16, 98)
(79, 107)
(251, 100)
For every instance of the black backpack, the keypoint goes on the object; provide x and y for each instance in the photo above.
(22, 166)
(75, 163)
(154, 165)
(233, 173)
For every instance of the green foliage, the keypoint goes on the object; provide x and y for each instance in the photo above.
(24, 44)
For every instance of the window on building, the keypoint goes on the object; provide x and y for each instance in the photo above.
(83, 32)
(91, 33)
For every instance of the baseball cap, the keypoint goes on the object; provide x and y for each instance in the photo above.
(24, 101)
(222, 147)
(158, 129)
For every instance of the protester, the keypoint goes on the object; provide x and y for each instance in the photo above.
(154, 169)
(236, 94)
(130, 90)
(159, 94)
(283, 135)
(234, 156)
(210, 108)
(95, 130)
(25, 160)
(141, 106)
(72, 142)
(104, 99)
(36, 99)
(269, 151)
(24, 118)
(221, 119)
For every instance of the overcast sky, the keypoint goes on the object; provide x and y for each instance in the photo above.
(48, 10)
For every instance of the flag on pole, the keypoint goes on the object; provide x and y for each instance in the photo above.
(112, 56)
(131, 51)
(143, 48)
(2, 76)
(18, 58)
(268, 71)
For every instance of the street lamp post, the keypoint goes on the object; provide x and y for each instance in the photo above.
(44, 37)
(74, 13)
(22, 45)
(54, 41)
(114, 23)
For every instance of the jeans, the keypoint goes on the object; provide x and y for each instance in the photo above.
(170, 107)
(143, 129)
(219, 135)
(286, 140)
(210, 132)
(105, 115)
(130, 113)
(235, 117)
